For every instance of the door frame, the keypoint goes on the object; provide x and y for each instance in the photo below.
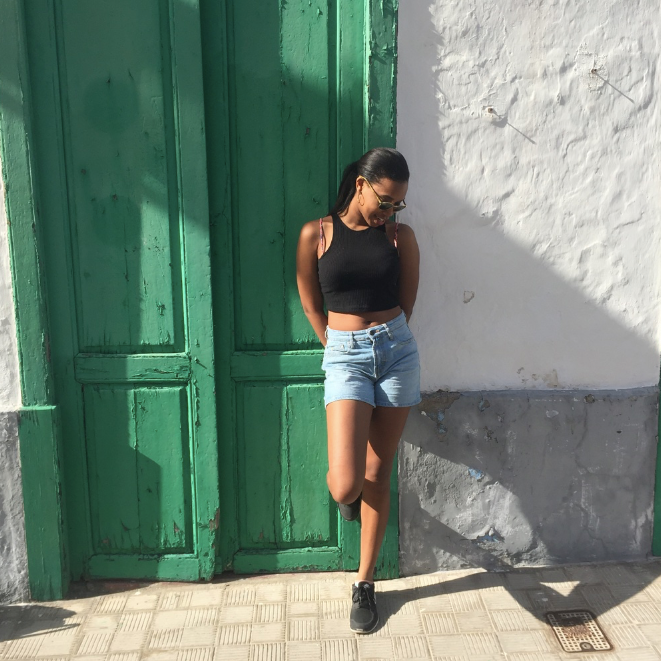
(379, 129)
(39, 427)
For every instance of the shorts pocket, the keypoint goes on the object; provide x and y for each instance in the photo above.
(336, 346)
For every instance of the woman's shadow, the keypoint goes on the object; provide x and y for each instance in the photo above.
(18, 621)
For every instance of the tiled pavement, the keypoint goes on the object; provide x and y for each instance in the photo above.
(453, 616)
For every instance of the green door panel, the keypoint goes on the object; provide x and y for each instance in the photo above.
(289, 111)
(124, 203)
(282, 465)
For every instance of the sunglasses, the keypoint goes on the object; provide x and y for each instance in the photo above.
(386, 206)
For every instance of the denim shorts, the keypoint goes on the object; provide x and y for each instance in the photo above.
(378, 365)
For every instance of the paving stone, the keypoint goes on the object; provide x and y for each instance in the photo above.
(170, 619)
(626, 636)
(335, 629)
(334, 610)
(141, 602)
(234, 634)
(129, 641)
(236, 614)
(447, 645)
(440, 623)
(175, 600)
(305, 609)
(638, 654)
(303, 592)
(475, 621)
(466, 601)
(111, 604)
(273, 612)
(303, 629)
(124, 656)
(210, 597)
(370, 647)
(196, 654)
(198, 637)
(339, 650)
(304, 651)
(409, 625)
(411, 647)
(271, 592)
(642, 613)
(136, 621)
(232, 653)
(651, 633)
(95, 643)
(262, 633)
(524, 641)
(268, 652)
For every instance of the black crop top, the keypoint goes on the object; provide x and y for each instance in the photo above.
(360, 270)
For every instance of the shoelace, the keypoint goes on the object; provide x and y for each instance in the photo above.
(364, 596)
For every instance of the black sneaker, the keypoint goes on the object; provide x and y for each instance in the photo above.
(351, 511)
(364, 617)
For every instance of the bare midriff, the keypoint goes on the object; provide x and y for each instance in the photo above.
(343, 321)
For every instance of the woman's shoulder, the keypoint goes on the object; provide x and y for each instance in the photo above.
(310, 229)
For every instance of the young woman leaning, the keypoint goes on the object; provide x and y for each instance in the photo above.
(365, 269)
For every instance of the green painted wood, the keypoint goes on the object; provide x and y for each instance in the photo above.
(289, 560)
(39, 425)
(122, 139)
(286, 364)
(161, 567)
(148, 368)
(217, 56)
(40, 473)
(287, 90)
(381, 127)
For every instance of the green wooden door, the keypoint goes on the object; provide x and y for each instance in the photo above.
(119, 133)
(288, 105)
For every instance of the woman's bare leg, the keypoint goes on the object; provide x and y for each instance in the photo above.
(348, 423)
(387, 425)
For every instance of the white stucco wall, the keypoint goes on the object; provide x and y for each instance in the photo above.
(532, 131)
(10, 391)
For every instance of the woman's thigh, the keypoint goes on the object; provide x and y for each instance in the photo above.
(348, 422)
(386, 427)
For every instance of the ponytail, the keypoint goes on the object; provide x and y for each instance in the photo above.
(347, 189)
(376, 164)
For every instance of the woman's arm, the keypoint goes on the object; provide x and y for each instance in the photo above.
(409, 269)
(307, 279)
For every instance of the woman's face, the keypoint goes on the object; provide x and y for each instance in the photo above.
(372, 193)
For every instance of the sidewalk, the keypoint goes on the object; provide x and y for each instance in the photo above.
(453, 616)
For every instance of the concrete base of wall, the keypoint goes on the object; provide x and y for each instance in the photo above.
(13, 554)
(500, 479)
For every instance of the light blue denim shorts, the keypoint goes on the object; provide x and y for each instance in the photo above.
(378, 365)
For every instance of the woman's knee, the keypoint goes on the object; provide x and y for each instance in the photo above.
(378, 473)
(344, 489)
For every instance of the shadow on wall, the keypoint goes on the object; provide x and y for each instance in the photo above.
(494, 312)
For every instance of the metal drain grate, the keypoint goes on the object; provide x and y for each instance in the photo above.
(578, 631)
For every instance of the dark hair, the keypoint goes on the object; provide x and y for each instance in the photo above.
(376, 164)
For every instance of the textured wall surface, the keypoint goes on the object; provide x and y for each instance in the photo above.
(10, 392)
(13, 558)
(503, 478)
(532, 133)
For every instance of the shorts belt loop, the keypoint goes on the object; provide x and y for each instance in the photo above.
(390, 335)
(353, 340)
(326, 333)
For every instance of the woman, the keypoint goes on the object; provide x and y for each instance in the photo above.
(366, 271)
